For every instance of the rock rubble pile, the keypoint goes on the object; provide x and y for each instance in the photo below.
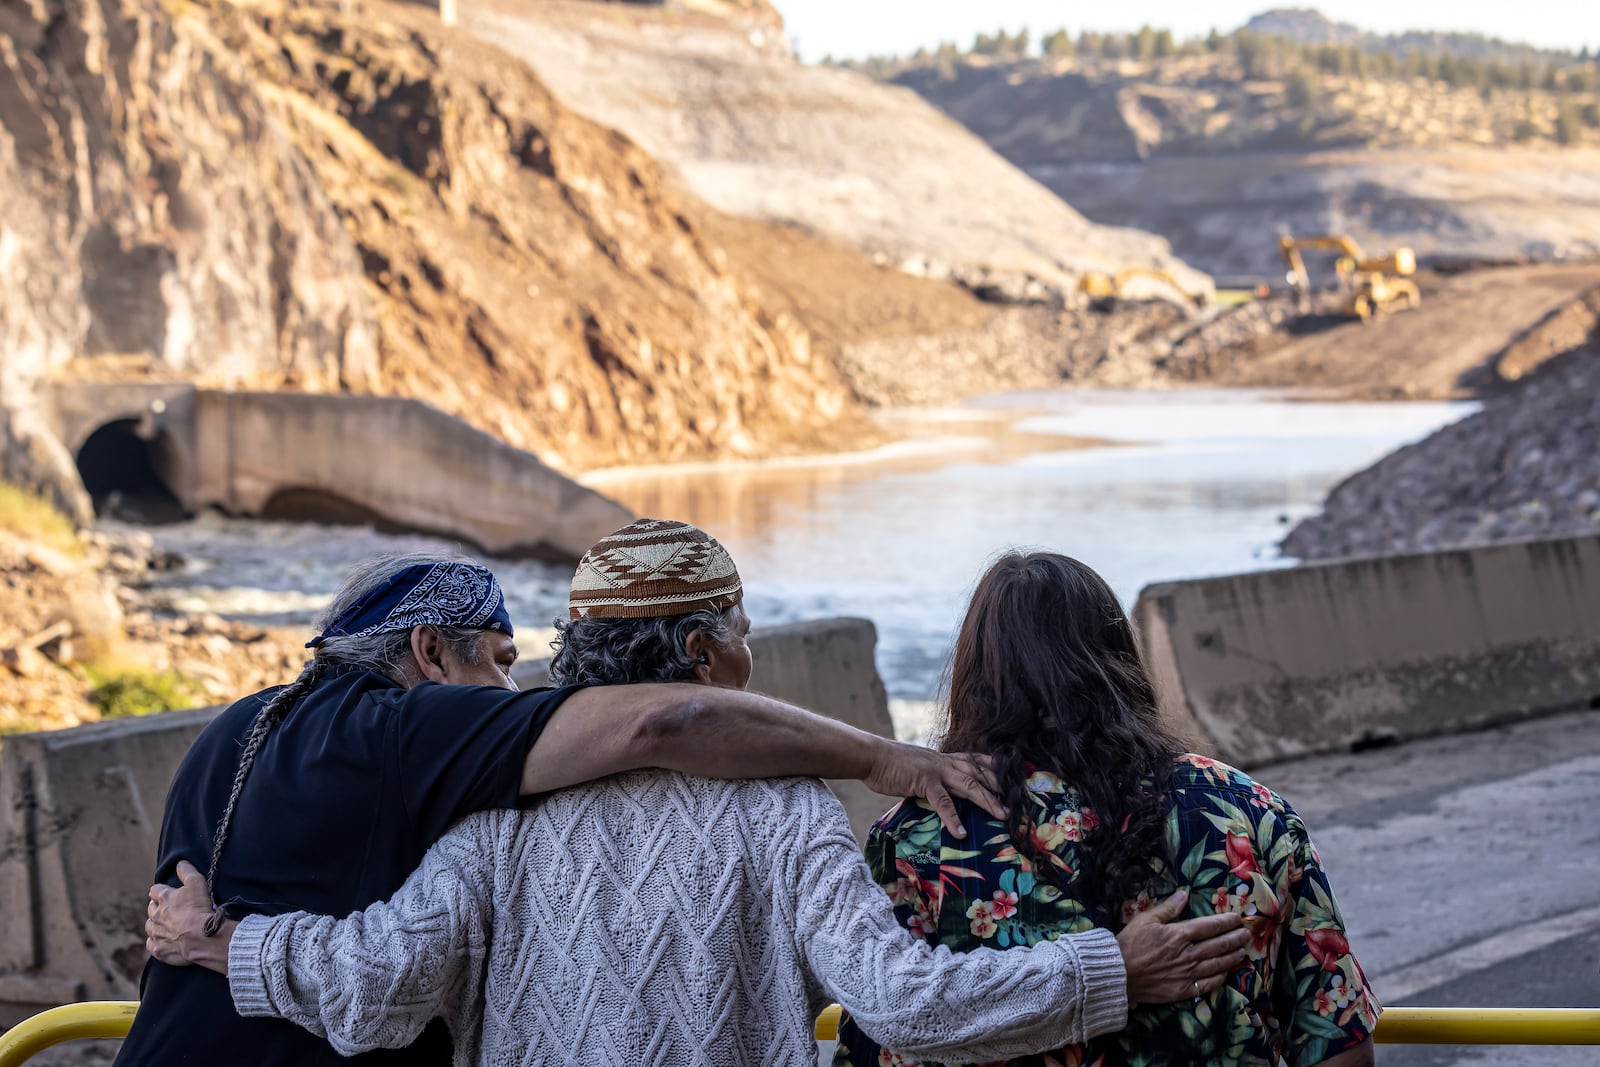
(1527, 465)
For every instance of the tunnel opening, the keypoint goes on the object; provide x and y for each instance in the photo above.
(319, 506)
(130, 477)
(325, 508)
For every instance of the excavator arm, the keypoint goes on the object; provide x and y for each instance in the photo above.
(1100, 286)
(1289, 248)
(1372, 285)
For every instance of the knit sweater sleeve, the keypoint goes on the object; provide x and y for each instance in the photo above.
(928, 1002)
(376, 978)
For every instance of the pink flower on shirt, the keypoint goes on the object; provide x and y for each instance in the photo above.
(1328, 947)
(1241, 856)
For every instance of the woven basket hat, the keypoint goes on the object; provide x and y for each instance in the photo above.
(651, 568)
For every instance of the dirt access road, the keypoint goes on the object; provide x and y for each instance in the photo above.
(1436, 350)
(1468, 871)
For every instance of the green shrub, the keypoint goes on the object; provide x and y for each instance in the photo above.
(31, 516)
(1568, 129)
(1299, 88)
(120, 692)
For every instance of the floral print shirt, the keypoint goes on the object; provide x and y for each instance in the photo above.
(1232, 843)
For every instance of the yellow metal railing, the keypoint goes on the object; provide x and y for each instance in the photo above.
(98, 1018)
(1489, 1026)
(1398, 1026)
(1431, 1026)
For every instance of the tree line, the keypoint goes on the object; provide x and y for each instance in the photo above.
(1459, 60)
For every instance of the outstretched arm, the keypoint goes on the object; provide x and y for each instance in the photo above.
(729, 733)
(372, 980)
(929, 1003)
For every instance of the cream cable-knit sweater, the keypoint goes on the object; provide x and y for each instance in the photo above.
(662, 919)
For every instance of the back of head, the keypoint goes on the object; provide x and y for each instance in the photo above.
(637, 596)
(354, 631)
(1046, 674)
(368, 625)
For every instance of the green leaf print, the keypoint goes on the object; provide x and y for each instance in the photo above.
(1266, 1014)
(1313, 1023)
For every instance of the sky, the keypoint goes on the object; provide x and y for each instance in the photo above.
(855, 28)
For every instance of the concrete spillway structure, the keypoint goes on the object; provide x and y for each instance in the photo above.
(170, 449)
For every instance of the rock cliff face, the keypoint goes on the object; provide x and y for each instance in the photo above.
(322, 195)
(153, 209)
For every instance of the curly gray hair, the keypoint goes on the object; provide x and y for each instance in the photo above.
(616, 651)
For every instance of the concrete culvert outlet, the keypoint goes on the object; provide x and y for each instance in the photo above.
(129, 477)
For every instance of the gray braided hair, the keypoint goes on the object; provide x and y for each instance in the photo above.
(386, 653)
(622, 651)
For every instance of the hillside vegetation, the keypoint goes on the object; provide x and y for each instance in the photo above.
(1261, 88)
(1462, 147)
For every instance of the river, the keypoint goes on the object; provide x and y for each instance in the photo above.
(1142, 486)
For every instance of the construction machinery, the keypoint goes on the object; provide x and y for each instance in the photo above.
(1105, 287)
(1371, 286)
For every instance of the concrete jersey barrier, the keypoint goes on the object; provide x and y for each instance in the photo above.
(80, 819)
(80, 816)
(1326, 657)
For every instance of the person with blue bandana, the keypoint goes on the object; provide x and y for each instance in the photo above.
(324, 794)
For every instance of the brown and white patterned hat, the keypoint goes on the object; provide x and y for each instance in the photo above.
(651, 568)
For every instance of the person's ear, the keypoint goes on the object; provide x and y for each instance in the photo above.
(703, 651)
(428, 653)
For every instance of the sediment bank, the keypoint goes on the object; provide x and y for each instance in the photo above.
(1524, 466)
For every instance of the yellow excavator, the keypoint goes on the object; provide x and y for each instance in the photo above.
(1372, 286)
(1104, 287)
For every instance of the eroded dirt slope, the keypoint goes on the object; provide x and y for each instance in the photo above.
(326, 195)
(1443, 348)
(760, 135)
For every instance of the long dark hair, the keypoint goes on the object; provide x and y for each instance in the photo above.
(1046, 673)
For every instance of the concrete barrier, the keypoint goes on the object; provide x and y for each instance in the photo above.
(80, 819)
(80, 815)
(1327, 657)
(827, 665)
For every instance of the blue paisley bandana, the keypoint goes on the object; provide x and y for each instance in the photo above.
(462, 595)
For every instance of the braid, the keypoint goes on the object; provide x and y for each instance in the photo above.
(271, 713)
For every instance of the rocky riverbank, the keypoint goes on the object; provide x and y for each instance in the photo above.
(76, 645)
(1524, 466)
